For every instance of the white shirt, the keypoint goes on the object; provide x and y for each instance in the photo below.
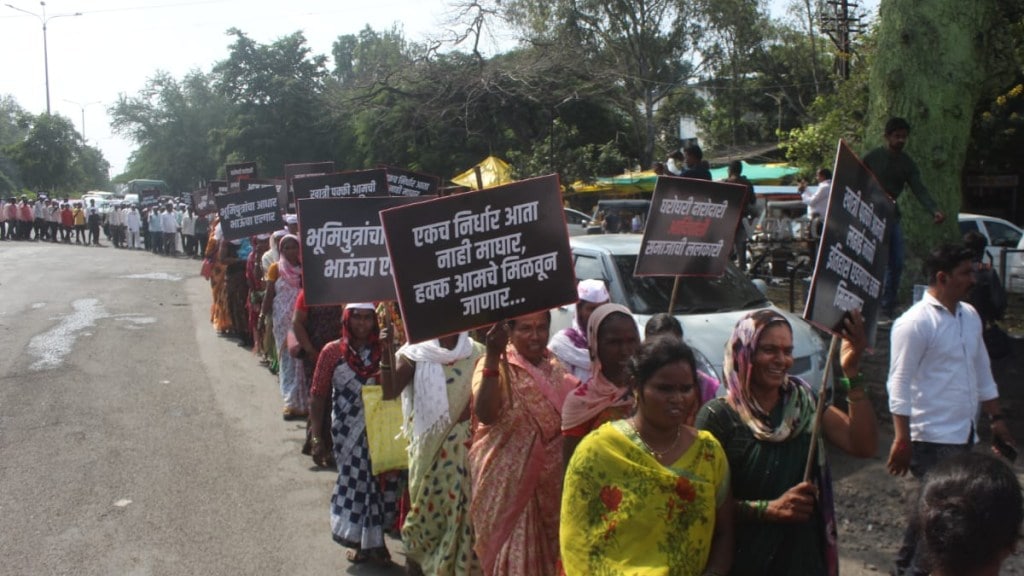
(188, 224)
(939, 371)
(154, 222)
(168, 223)
(133, 219)
(114, 217)
(817, 199)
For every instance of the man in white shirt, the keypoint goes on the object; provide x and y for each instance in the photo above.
(188, 231)
(52, 219)
(114, 225)
(133, 222)
(156, 233)
(938, 373)
(169, 224)
(570, 344)
(817, 199)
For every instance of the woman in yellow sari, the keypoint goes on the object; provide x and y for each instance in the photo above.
(649, 495)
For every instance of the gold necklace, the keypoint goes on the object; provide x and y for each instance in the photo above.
(656, 453)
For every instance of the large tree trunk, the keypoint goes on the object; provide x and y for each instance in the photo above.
(930, 68)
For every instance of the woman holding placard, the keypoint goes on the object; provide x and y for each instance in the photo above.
(363, 506)
(784, 523)
(516, 457)
(434, 379)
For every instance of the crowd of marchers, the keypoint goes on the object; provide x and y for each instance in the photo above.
(168, 228)
(598, 450)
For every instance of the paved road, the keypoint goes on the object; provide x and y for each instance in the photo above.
(135, 441)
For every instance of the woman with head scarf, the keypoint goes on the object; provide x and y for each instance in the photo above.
(220, 314)
(269, 343)
(784, 525)
(284, 281)
(613, 339)
(516, 457)
(363, 506)
(649, 494)
(437, 533)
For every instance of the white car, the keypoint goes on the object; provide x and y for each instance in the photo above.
(1001, 235)
(708, 308)
(576, 222)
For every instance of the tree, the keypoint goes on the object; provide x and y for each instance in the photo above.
(46, 156)
(14, 123)
(278, 114)
(935, 70)
(173, 123)
(639, 49)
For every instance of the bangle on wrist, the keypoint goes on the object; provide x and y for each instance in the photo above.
(993, 418)
(853, 383)
(490, 372)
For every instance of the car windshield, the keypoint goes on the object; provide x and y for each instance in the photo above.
(651, 294)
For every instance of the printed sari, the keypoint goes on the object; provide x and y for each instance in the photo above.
(623, 512)
(516, 464)
(437, 533)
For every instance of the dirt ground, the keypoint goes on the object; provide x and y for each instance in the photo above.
(871, 504)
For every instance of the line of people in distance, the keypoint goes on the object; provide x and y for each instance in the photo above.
(600, 451)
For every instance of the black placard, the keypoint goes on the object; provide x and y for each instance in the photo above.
(149, 198)
(344, 257)
(244, 214)
(410, 184)
(690, 227)
(854, 248)
(202, 201)
(217, 187)
(357, 184)
(238, 172)
(473, 259)
(291, 171)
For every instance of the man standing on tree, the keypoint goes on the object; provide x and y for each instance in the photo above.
(939, 373)
(895, 170)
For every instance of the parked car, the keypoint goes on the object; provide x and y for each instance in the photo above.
(1001, 235)
(708, 308)
(576, 221)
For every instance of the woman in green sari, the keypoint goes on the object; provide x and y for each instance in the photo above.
(783, 524)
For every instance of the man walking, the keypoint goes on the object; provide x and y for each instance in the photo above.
(94, 219)
(169, 225)
(133, 222)
(188, 231)
(938, 373)
(895, 170)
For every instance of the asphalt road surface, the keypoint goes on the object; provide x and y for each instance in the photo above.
(133, 440)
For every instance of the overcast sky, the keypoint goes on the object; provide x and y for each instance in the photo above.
(115, 45)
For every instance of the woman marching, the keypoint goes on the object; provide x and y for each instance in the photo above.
(437, 533)
(784, 525)
(284, 280)
(650, 494)
(363, 506)
(516, 458)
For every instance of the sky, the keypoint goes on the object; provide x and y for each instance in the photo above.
(114, 46)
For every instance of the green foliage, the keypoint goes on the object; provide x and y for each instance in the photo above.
(172, 122)
(840, 115)
(51, 158)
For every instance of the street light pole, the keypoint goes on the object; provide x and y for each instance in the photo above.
(82, 107)
(46, 56)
